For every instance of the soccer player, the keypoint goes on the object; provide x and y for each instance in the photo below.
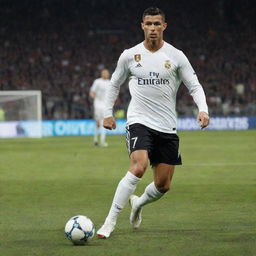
(155, 70)
(98, 93)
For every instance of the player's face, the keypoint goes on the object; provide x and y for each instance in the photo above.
(105, 74)
(153, 27)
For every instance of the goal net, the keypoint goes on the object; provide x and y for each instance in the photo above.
(20, 114)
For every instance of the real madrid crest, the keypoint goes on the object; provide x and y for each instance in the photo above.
(137, 57)
(167, 64)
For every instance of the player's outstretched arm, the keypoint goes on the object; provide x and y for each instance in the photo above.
(109, 123)
(118, 77)
(204, 119)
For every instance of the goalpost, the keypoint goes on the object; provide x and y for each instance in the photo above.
(20, 114)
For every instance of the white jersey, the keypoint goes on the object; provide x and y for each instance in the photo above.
(154, 79)
(99, 87)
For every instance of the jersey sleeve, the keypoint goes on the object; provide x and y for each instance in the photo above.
(94, 86)
(119, 76)
(189, 78)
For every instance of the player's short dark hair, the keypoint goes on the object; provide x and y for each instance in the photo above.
(153, 11)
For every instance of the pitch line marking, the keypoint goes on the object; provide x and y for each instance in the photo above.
(222, 164)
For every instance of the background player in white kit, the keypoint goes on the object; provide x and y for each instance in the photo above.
(155, 70)
(98, 94)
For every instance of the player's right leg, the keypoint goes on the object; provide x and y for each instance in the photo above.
(125, 188)
(106, 229)
(138, 142)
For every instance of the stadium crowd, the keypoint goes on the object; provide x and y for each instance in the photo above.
(59, 47)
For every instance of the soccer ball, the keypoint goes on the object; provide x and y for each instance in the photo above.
(79, 229)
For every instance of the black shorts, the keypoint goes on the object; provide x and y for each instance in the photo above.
(162, 147)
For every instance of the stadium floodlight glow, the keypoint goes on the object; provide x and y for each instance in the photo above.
(20, 113)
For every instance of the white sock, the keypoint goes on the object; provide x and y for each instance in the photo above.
(150, 195)
(125, 189)
(102, 135)
(96, 132)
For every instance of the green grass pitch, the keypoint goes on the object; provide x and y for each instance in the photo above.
(210, 209)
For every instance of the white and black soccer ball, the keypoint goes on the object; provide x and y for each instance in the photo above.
(79, 229)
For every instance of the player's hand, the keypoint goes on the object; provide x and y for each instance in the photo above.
(109, 123)
(203, 119)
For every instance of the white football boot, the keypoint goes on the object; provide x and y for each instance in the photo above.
(106, 229)
(135, 216)
(104, 145)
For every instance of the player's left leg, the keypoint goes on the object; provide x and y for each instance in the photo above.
(163, 174)
(102, 134)
(96, 133)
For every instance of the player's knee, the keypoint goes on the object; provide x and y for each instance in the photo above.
(138, 169)
(163, 188)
